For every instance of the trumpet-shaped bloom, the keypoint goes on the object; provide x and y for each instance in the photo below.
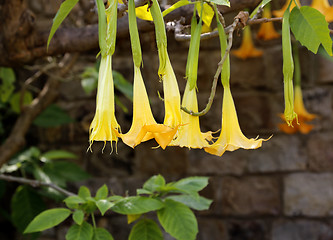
(189, 134)
(231, 137)
(144, 126)
(172, 116)
(324, 7)
(279, 13)
(247, 49)
(266, 30)
(303, 116)
(104, 126)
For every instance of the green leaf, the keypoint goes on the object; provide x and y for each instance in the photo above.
(178, 220)
(122, 85)
(89, 84)
(133, 217)
(310, 29)
(154, 183)
(84, 192)
(57, 154)
(74, 200)
(142, 191)
(194, 202)
(137, 205)
(80, 232)
(15, 101)
(62, 13)
(48, 219)
(191, 184)
(102, 192)
(146, 229)
(102, 234)
(175, 6)
(25, 205)
(261, 5)
(7, 87)
(115, 198)
(52, 116)
(221, 2)
(78, 217)
(104, 205)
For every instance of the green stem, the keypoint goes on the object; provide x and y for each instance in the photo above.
(297, 76)
(134, 34)
(101, 26)
(93, 220)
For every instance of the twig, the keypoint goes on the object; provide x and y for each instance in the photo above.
(35, 183)
(233, 27)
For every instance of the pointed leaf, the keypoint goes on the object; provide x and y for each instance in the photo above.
(62, 13)
(178, 220)
(137, 205)
(194, 202)
(175, 6)
(104, 205)
(146, 229)
(102, 234)
(153, 183)
(80, 232)
(78, 217)
(192, 184)
(48, 219)
(310, 28)
(84, 192)
(102, 192)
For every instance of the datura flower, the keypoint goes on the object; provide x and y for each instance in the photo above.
(144, 126)
(231, 137)
(303, 116)
(324, 7)
(247, 49)
(266, 30)
(104, 126)
(189, 134)
(279, 13)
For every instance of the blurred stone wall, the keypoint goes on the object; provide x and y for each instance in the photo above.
(281, 191)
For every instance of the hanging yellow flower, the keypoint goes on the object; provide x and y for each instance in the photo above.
(279, 13)
(189, 134)
(104, 126)
(324, 7)
(247, 49)
(266, 30)
(231, 137)
(144, 126)
(303, 116)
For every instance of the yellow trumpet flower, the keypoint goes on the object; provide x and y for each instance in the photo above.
(303, 116)
(189, 134)
(231, 137)
(279, 13)
(324, 7)
(247, 49)
(104, 126)
(144, 126)
(266, 30)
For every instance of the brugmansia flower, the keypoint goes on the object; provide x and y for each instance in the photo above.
(324, 7)
(279, 13)
(266, 30)
(189, 135)
(104, 126)
(303, 116)
(144, 126)
(231, 137)
(247, 49)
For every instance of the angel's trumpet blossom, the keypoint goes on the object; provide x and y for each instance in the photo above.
(279, 13)
(267, 30)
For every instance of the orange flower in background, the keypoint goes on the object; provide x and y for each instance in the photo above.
(144, 126)
(279, 13)
(247, 49)
(266, 30)
(324, 7)
(304, 116)
(231, 137)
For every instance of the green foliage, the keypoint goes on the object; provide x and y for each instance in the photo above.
(102, 234)
(62, 13)
(195, 202)
(7, 86)
(80, 232)
(52, 116)
(15, 101)
(310, 29)
(78, 217)
(146, 229)
(57, 154)
(137, 205)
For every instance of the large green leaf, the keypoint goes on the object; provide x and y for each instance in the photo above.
(62, 13)
(154, 183)
(146, 229)
(310, 29)
(52, 116)
(48, 219)
(191, 184)
(80, 232)
(137, 205)
(25, 205)
(102, 234)
(194, 202)
(178, 220)
(7, 87)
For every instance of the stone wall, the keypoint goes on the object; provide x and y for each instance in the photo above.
(281, 191)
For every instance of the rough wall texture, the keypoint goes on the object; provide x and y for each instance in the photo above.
(282, 191)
